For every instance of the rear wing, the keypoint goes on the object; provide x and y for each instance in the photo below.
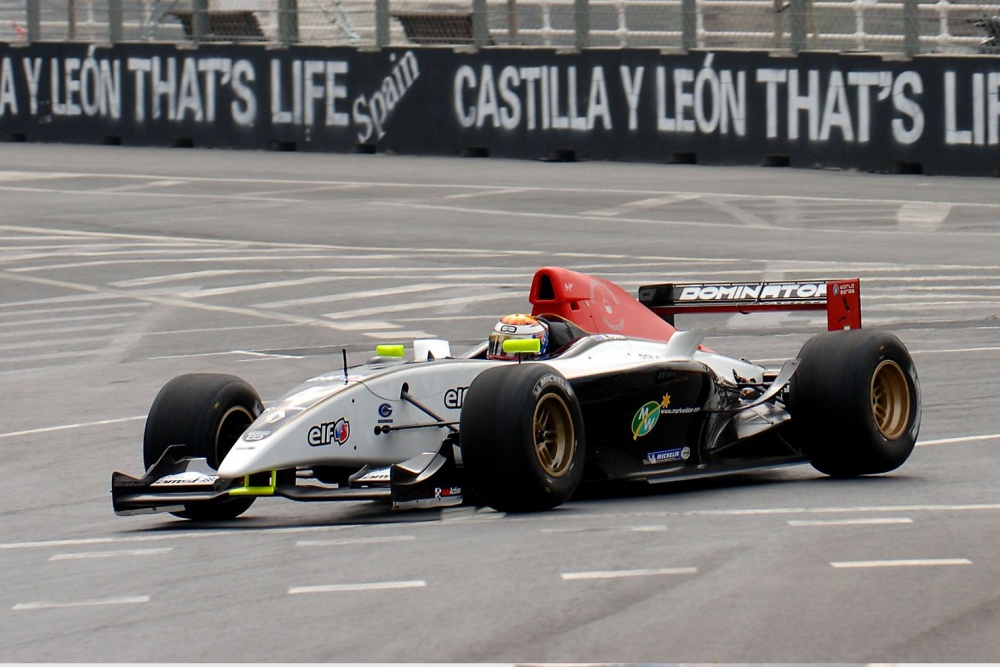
(841, 299)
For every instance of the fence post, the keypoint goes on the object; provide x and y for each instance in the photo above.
(689, 24)
(115, 21)
(288, 22)
(71, 18)
(381, 23)
(199, 20)
(34, 19)
(512, 23)
(581, 23)
(911, 28)
(797, 19)
(480, 25)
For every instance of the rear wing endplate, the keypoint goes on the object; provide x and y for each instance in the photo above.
(841, 299)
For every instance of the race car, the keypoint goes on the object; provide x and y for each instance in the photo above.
(620, 394)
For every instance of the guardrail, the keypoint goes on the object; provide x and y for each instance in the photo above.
(910, 27)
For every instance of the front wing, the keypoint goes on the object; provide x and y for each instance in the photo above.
(176, 481)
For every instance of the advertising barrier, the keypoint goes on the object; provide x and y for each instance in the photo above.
(929, 114)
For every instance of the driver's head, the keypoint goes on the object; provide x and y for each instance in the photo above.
(517, 327)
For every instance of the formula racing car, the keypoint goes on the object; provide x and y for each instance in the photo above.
(620, 394)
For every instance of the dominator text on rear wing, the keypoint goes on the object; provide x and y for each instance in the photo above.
(841, 299)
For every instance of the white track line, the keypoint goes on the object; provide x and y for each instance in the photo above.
(111, 554)
(25, 606)
(952, 441)
(371, 586)
(214, 534)
(914, 562)
(848, 522)
(357, 540)
(845, 510)
(65, 427)
(621, 574)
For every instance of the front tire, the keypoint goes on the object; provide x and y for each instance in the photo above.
(855, 402)
(522, 438)
(207, 413)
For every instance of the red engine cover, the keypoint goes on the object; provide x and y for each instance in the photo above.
(596, 306)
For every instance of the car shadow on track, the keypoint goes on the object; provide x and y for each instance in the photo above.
(291, 515)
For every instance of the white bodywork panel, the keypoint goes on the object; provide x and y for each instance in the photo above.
(331, 420)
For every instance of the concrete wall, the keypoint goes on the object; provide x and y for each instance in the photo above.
(933, 115)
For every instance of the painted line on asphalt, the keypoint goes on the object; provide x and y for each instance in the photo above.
(468, 516)
(238, 353)
(621, 574)
(914, 562)
(952, 441)
(356, 295)
(214, 534)
(579, 529)
(845, 510)
(26, 606)
(111, 554)
(958, 350)
(849, 522)
(370, 586)
(461, 187)
(585, 529)
(104, 422)
(66, 427)
(357, 540)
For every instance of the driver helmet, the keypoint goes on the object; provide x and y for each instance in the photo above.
(517, 326)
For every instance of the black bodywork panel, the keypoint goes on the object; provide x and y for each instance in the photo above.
(667, 420)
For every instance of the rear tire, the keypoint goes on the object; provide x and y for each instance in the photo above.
(522, 438)
(207, 413)
(855, 402)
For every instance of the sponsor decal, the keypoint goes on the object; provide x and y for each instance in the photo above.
(254, 436)
(447, 493)
(752, 292)
(329, 433)
(385, 414)
(454, 397)
(647, 416)
(377, 475)
(679, 411)
(679, 454)
(608, 301)
(373, 112)
(187, 478)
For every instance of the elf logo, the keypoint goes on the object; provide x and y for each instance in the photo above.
(453, 398)
(329, 433)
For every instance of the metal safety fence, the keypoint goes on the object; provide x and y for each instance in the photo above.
(908, 27)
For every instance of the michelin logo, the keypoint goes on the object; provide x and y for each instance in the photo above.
(682, 454)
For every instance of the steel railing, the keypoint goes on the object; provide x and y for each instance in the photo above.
(904, 26)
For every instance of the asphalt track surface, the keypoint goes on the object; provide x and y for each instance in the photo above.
(121, 268)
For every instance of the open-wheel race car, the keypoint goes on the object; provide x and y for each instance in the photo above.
(619, 394)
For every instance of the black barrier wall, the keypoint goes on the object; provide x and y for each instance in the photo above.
(932, 115)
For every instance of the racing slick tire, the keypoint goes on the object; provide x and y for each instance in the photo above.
(522, 440)
(207, 413)
(855, 402)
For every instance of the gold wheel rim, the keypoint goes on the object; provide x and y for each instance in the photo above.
(554, 438)
(890, 400)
